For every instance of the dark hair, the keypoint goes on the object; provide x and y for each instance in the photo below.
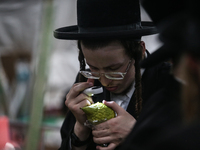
(132, 49)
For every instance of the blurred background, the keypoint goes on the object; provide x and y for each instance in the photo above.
(37, 70)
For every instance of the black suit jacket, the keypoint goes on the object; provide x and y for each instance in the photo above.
(160, 111)
(178, 137)
(153, 79)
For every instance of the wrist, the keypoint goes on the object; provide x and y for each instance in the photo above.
(81, 131)
(81, 140)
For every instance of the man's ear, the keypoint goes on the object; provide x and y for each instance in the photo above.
(142, 44)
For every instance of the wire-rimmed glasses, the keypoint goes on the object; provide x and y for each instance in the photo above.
(108, 75)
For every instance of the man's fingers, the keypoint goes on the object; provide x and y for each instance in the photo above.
(78, 88)
(114, 106)
(102, 126)
(102, 140)
(101, 133)
(90, 100)
(83, 97)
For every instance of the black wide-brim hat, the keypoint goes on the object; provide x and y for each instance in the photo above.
(180, 36)
(101, 19)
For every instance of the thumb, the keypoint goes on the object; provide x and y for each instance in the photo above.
(90, 81)
(119, 110)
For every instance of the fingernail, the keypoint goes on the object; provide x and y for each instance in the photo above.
(90, 83)
(88, 103)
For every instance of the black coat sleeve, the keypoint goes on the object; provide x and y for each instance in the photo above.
(67, 126)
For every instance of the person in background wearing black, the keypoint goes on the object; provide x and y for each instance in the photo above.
(186, 134)
(163, 108)
(183, 35)
(173, 111)
(109, 41)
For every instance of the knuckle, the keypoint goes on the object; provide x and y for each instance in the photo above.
(73, 107)
(95, 134)
(120, 139)
(67, 101)
(76, 89)
(94, 139)
(81, 96)
(112, 123)
(67, 96)
(69, 105)
(84, 97)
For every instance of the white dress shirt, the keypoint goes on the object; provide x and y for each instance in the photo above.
(123, 100)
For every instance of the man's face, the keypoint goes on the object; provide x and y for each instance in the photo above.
(111, 58)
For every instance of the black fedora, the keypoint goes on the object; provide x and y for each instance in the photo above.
(99, 19)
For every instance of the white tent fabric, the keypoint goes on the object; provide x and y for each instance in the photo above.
(19, 25)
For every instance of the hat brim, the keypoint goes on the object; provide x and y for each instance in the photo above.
(71, 33)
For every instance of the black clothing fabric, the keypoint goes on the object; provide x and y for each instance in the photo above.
(153, 79)
(160, 111)
(178, 137)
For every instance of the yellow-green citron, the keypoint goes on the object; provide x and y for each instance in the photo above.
(98, 112)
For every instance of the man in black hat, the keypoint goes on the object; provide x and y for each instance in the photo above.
(109, 39)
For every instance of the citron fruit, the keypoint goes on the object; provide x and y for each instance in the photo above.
(98, 112)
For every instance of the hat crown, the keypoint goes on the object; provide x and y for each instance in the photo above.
(107, 13)
(107, 19)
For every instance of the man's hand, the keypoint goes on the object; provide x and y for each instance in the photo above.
(75, 99)
(115, 130)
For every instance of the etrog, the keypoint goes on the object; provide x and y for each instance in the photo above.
(98, 112)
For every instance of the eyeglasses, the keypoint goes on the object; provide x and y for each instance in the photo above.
(109, 75)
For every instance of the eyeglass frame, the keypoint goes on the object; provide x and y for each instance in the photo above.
(100, 74)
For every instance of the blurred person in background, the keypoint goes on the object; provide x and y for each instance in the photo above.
(185, 135)
(178, 108)
(109, 41)
(163, 108)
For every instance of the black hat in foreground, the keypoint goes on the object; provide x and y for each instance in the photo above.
(101, 19)
(162, 10)
(181, 35)
(177, 27)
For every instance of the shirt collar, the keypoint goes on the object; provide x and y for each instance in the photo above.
(129, 94)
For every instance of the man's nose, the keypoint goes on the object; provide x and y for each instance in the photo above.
(104, 81)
